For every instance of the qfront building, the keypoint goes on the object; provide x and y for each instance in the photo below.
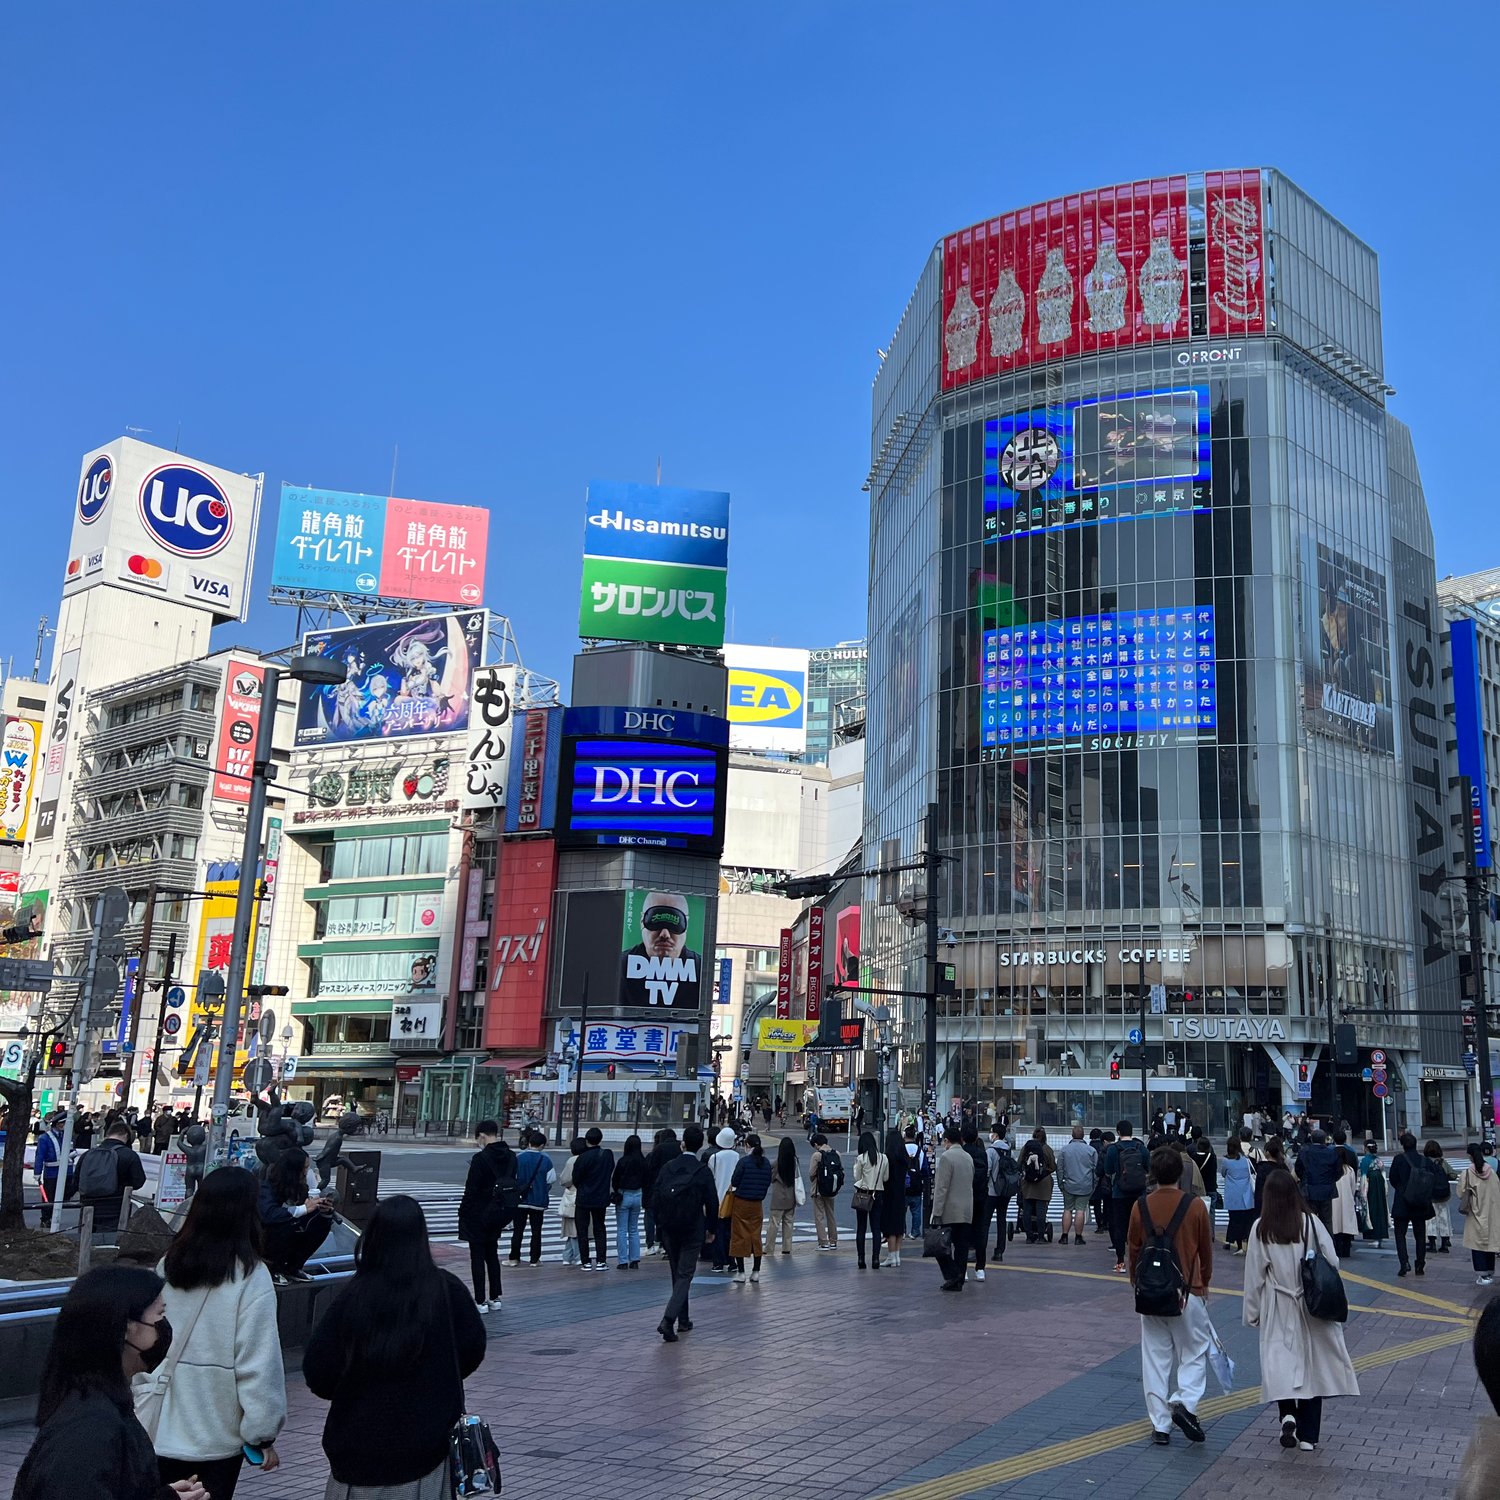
(1154, 632)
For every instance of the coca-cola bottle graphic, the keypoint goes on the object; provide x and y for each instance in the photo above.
(1104, 289)
(1054, 300)
(1007, 314)
(1234, 226)
(1161, 282)
(961, 331)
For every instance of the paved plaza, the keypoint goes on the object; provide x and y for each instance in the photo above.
(831, 1382)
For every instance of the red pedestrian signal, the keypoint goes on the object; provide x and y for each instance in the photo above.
(57, 1056)
(1114, 1067)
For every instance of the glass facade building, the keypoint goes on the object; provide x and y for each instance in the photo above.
(1150, 571)
(835, 677)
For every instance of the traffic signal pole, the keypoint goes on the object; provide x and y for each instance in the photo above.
(161, 1020)
(80, 1063)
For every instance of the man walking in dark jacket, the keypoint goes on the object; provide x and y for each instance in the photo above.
(1411, 1202)
(687, 1211)
(1318, 1168)
(1127, 1165)
(593, 1177)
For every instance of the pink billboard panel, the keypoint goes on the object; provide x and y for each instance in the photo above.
(1236, 253)
(432, 552)
(1101, 270)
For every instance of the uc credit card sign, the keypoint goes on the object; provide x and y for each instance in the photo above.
(767, 698)
(655, 564)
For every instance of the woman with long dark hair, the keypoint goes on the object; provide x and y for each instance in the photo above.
(748, 1186)
(893, 1203)
(111, 1326)
(786, 1192)
(1272, 1159)
(1302, 1358)
(390, 1356)
(871, 1176)
(294, 1222)
(224, 1389)
(628, 1187)
(1238, 1174)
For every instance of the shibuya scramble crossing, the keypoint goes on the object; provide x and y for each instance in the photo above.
(1031, 1036)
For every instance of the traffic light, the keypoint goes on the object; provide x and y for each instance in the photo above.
(1301, 1072)
(258, 991)
(1114, 1067)
(609, 1071)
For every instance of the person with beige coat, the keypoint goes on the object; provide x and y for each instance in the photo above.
(1302, 1358)
(1478, 1199)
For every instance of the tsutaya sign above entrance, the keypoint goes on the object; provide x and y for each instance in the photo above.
(1047, 957)
(1225, 1028)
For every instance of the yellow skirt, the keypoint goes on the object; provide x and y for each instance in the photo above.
(745, 1219)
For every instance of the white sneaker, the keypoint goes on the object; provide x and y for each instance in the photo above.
(1483, 1280)
(738, 1278)
(481, 1304)
(494, 1304)
(755, 1276)
(979, 1276)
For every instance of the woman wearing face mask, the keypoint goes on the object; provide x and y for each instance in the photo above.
(111, 1326)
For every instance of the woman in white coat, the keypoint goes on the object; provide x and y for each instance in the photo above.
(1302, 1358)
(1478, 1199)
(222, 1388)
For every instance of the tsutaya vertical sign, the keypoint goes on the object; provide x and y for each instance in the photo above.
(814, 963)
(491, 729)
(784, 977)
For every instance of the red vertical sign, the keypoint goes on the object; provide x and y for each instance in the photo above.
(239, 724)
(815, 963)
(519, 944)
(784, 977)
(1236, 253)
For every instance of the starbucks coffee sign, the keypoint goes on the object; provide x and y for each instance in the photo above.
(1048, 957)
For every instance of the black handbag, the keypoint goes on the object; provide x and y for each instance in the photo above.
(473, 1458)
(937, 1240)
(1322, 1287)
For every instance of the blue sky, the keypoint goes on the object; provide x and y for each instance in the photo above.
(535, 245)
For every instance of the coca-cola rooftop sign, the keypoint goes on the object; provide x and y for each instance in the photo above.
(1101, 270)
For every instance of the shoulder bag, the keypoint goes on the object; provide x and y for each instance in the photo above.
(863, 1201)
(1322, 1286)
(937, 1241)
(152, 1401)
(473, 1458)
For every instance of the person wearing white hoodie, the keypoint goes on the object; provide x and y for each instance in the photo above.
(222, 1388)
(722, 1163)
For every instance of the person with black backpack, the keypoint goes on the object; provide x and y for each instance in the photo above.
(826, 1173)
(1004, 1184)
(105, 1171)
(1414, 1186)
(686, 1205)
(1170, 1254)
(1038, 1167)
(1127, 1166)
(492, 1194)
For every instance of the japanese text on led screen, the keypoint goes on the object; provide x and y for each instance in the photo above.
(1133, 678)
(1105, 458)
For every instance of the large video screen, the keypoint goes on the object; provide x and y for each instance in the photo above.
(1118, 681)
(642, 794)
(1346, 650)
(1104, 458)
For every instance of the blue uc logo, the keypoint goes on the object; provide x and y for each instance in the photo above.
(93, 493)
(186, 511)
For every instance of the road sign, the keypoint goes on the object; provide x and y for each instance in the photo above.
(1379, 1090)
(170, 1025)
(1158, 999)
(1304, 1089)
(1135, 1036)
(176, 996)
(739, 1088)
(258, 1074)
(1368, 1075)
(289, 1072)
(267, 1024)
(25, 973)
(1377, 1057)
(1377, 1075)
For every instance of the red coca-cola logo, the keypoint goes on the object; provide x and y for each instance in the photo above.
(1235, 228)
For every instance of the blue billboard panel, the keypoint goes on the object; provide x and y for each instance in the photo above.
(1469, 726)
(642, 793)
(326, 539)
(1116, 681)
(401, 677)
(1106, 458)
(652, 723)
(653, 523)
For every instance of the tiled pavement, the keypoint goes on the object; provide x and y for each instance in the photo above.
(827, 1381)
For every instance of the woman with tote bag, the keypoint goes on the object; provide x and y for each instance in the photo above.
(1302, 1358)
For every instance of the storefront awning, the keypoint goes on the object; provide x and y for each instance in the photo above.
(517, 1064)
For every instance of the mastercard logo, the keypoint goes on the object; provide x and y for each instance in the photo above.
(144, 567)
(75, 567)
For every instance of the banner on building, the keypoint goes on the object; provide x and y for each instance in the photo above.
(154, 522)
(662, 959)
(1468, 726)
(609, 1041)
(784, 976)
(401, 678)
(329, 541)
(63, 707)
(773, 1035)
(846, 946)
(239, 724)
(519, 937)
(655, 565)
(270, 868)
(1346, 650)
(814, 1007)
(767, 698)
(536, 747)
(492, 719)
(18, 755)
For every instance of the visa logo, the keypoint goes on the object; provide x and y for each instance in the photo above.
(211, 588)
(764, 697)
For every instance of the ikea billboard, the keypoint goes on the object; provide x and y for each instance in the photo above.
(767, 698)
